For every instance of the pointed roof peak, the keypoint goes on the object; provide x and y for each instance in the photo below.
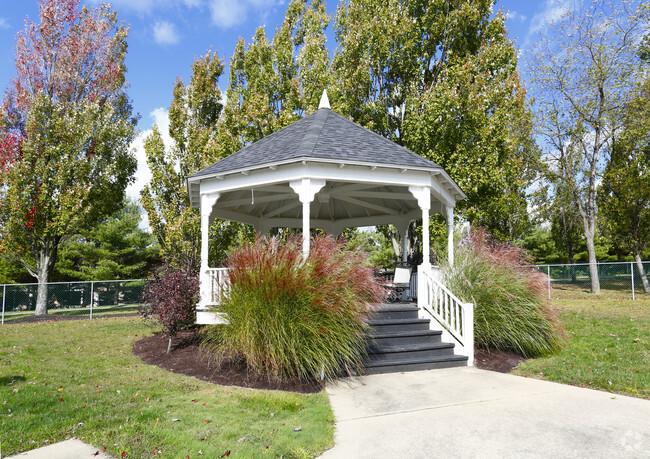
(324, 100)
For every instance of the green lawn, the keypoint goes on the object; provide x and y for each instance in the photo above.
(608, 346)
(80, 378)
(83, 312)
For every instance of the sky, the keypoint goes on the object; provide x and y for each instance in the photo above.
(167, 35)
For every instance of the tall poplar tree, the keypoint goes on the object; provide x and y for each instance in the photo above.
(271, 84)
(65, 130)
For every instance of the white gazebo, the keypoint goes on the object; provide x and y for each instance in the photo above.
(327, 172)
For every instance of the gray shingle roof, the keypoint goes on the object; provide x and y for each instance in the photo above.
(322, 135)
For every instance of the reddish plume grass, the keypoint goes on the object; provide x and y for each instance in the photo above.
(506, 256)
(294, 319)
(511, 310)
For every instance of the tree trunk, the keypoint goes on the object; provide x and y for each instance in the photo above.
(591, 251)
(639, 267)
(46, 261)
(169, 345)
(41, 296)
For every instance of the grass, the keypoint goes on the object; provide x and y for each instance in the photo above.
(97, 311)
(608, 347)
(80, 378)
(617, 288)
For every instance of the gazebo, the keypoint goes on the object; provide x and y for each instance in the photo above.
(322, 171)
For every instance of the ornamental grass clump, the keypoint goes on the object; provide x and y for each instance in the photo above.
(511, 311)
(290, 319)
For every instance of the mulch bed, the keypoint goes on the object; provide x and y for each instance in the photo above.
(187, 358)
(501, 361)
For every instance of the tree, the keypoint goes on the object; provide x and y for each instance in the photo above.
(116, 248)
(624, 195)
(440, 78)
(195, 117)
(65, 130)
(583, 71)
(271, 84)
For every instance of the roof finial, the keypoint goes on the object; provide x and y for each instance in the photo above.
(324, 101)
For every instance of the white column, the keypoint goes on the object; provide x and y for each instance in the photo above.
(423, 196)
(207, 203)
(404, 234)
(450, 234)
(306, 189)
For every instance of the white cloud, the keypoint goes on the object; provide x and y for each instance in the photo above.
(165, 33)
(226, 13)
(4, 24)
(516, 16)
(551, 11)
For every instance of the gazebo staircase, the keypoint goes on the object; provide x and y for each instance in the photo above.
(401, 341)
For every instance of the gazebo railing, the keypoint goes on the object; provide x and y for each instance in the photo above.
(214, 281)
(455, 317)
(218, 281)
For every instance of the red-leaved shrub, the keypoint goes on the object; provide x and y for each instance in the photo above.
(170, 299)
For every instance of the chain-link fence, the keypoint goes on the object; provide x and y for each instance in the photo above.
(620, 279)
(73, 298)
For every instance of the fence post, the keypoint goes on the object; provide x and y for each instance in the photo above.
(548, 277)
(632, 276)
(4, 296)
(92, 297)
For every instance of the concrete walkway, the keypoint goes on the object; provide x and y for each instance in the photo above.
(467, 412)
(68, 449)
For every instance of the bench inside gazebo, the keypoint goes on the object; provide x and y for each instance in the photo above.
(327, 172)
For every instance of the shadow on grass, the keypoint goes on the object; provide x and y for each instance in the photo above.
(10, 380)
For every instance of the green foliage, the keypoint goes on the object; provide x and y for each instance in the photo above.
(115, 248)
(540, 245)
(70, 372)
(440, 78)
(193, 117)
(624, 195)
(12, 273)
(293, 319)
(511, 312)
(377, 245)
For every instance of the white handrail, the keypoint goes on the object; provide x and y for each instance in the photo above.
(455, 316)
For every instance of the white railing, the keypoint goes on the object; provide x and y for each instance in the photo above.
(214, 281)
(219, 283)
(455, 318)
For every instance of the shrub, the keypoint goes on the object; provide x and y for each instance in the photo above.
(293, 320)
(511, 312)
(170, 299)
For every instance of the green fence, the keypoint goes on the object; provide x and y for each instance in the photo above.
(75, 298)
(622, 278)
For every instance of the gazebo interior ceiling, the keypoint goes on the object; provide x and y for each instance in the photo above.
(336, 202)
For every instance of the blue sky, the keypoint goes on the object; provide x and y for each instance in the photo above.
(166, 36)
